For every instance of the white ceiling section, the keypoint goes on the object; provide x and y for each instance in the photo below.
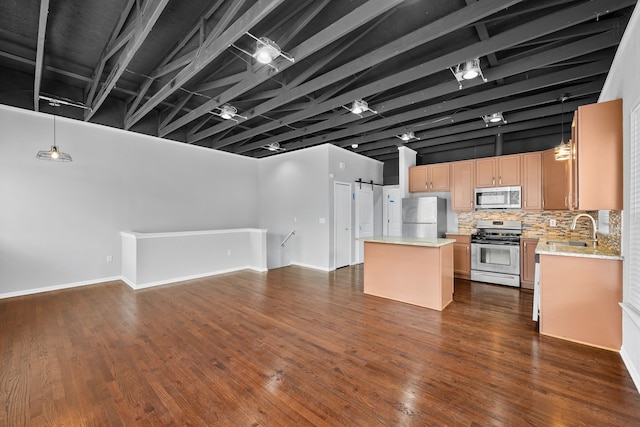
(166, 67)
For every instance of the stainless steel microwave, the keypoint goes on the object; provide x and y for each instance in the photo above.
(498, 198)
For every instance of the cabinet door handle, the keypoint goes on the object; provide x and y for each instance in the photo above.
(493, 180)
(431, 185)
(525, 246)
(525, 203)
(565, 202)
(467, 248)
(500, 180)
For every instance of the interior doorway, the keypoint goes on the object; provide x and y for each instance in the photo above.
(392, 211)
(342, 224)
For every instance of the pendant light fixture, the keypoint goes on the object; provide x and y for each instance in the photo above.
(563, 150)
(54, 154)
(359, 107)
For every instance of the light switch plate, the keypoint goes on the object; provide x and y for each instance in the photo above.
(552, 222)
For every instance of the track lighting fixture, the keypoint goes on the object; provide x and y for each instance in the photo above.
(468, 70)
(407, 136)
(359, 107)
(494, 118)
(274, 146)
(266, 51)
(227, 112)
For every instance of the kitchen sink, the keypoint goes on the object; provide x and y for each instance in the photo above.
(566, 243)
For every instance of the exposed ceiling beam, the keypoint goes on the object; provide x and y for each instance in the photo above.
(547, 24)
(42, 31)
(476, 129)
(116, 41)
(476, 113)
(149, 14)
(328, 35)
(164, 62)
(432, 31)
(509, 68)
(213, 46)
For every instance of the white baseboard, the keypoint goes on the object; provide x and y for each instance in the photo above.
(125, 280)
(190, 277)
(58, 287)
(635, 376)
(315, 267)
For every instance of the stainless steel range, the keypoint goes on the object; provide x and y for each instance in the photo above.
(495, 252)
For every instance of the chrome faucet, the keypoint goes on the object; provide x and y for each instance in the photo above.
(593, 222)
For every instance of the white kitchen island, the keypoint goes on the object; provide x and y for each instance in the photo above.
(411, 270)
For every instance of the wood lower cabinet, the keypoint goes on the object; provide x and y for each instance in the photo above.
(498, 171)
(532, 181)
(429, 178)
(579, 300)
(461, 255)
(462, 187)
(527, 262)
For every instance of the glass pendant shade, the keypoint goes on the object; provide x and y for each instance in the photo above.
(562, 151)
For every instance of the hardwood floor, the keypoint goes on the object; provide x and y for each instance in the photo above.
(296, 347)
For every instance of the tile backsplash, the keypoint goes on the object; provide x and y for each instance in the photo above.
(536, 224)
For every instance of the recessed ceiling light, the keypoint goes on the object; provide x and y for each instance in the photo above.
(407, 136)
(468, 70)
(360, 106)
(494, 118)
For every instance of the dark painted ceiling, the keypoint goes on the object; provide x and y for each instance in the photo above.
(166, 67)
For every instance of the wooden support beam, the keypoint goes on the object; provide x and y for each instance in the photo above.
(531, 101)
(149, 14)
(175, 110)
(432, 31)
(530, 30)
(195, 30)
(115, 39)
(221, 82)
(212, 48)
(39, 66)
(331, 33)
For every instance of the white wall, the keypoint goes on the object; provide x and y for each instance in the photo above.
(293, 195)
(355, 167)
(299, 185)
(59, 221)
(622, 82)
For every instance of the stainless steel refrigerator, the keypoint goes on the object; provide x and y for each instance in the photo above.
(424, 217)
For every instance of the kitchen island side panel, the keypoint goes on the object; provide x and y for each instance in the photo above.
(418, 275)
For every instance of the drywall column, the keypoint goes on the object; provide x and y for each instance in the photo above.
(406, 159)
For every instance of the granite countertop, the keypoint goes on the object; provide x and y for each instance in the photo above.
(588, 251)
(413, 241)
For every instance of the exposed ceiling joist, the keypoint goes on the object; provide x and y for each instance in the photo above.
(439, 28)
(213, 46)
(147, 18)
(333, 32)
(581, 47)
(42, 30)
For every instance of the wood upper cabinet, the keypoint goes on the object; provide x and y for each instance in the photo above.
(498, 171)
(429, 178)
(597, 163)
(418, 179)
(527, 262)
(462, 177)
(461, 255)
(555, 176)
(532, 181)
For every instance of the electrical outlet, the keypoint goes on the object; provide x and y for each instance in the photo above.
(109, 258)
(552, 222)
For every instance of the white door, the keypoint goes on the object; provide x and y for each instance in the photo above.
(392, 214)
(364, 217)
(342, 224)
